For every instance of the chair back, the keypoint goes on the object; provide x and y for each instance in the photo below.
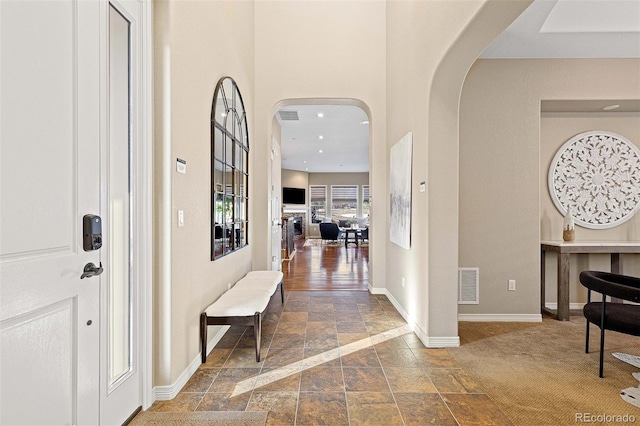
(329, 231)
(614, 285)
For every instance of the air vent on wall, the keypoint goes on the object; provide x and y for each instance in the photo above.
(468, 286)
(288, 115)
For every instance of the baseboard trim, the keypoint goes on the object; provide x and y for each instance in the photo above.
(166, 393)
(500, 317)
(554, 306)
(378, 290)
(429, 342)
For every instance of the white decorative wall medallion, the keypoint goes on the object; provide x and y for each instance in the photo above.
(597, 176)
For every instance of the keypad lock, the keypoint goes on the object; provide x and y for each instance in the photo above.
(92, 232)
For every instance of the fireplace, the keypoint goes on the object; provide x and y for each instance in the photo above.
(299, 223)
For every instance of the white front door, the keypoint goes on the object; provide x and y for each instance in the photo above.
(49, 179)
(276, 207)
(70, 147)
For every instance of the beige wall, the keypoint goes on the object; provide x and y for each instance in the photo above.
(331, 51)
(193, 51)
(430, 46)
(403, 63)
(329, 179)
(299, 179)
(555, 130)
(501, 170)
(296, 179)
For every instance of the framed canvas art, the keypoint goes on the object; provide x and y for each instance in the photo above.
(400, 191)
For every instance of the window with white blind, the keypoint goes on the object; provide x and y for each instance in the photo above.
(318, 202)
(344, 201)
(365, 201)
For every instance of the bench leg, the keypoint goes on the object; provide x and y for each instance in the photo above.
(282, 291)
(257, 331)
(203, 336)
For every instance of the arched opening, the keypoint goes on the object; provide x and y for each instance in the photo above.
(325, 178)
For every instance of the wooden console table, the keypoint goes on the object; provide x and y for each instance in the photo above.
(564, 250)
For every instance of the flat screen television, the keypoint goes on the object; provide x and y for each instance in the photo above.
(293, 196)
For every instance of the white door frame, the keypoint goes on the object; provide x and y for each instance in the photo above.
(276, 207)
(144, 215)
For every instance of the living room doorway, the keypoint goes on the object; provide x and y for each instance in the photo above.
(325, 179)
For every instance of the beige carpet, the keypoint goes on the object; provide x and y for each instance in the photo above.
(538, 373)
(201, 418)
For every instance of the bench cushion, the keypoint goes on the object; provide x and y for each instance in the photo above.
(272, 275)
(239, 303)
(266, 283)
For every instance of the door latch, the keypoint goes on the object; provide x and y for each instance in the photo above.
(91, 270)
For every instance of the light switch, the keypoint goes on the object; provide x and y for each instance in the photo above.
(181, 166)
(423, 186)
(180, 218)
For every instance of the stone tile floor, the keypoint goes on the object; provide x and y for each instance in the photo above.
(336, 358)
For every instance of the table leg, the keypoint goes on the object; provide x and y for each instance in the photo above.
(542, 281)
(616, 268)
(563, 287)
(616, 263)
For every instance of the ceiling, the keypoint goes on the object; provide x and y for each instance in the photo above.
(546, 29)
(572, 29)
(342, 134)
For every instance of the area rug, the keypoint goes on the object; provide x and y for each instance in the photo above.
(201, 418)
(317, 242)
(539, 374)
(632, 394)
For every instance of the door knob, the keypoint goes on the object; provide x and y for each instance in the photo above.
(90, 270)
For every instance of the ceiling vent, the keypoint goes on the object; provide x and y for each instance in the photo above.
(468, 286)
(288, 115)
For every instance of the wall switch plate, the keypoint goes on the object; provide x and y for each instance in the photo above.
(512, 285)
(181, 166)
(180, 218)
(402, 282)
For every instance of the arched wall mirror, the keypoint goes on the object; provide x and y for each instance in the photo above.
(229, 170)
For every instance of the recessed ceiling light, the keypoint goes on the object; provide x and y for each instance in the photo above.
(306, 170)
(320, 137)
(305, 161)
(610, 107)
(320, 114)
(320, 151)
(364, 122)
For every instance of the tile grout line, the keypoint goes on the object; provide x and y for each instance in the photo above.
(393, 395)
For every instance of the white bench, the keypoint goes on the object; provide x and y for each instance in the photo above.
(242, 304)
